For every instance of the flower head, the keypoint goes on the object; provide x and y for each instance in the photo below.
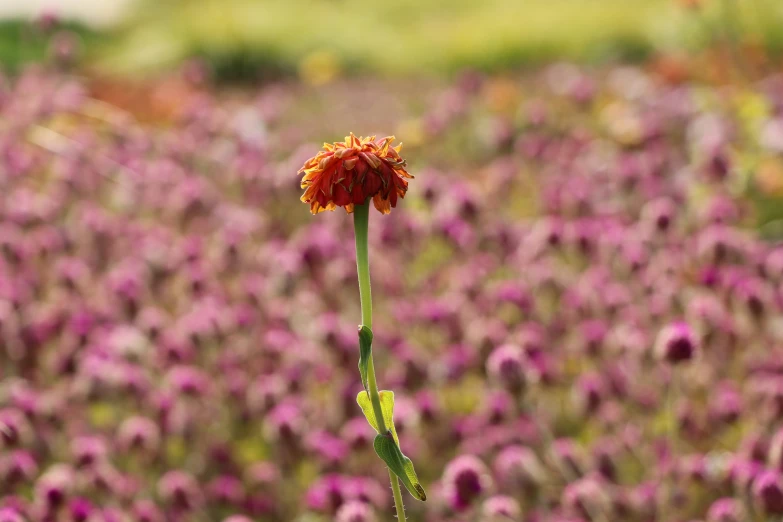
(10, 515)
(725, 510)
(501, 507)
(676, 343)
(768, 491)
(506, 364)
(347, 173)
(355, 511)
(465, 478)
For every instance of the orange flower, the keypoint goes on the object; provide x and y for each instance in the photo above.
(347, 173)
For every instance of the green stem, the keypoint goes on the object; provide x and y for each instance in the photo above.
(398, 505)
(361, 218)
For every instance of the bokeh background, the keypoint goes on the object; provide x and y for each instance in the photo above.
(577, 305)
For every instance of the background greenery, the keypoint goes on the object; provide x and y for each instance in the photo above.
(244, 39)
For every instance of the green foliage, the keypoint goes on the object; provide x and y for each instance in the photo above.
(387, 406)
(390, 453)
(728, 21)
(246, 40)
(240, 38)
(387, 445)
(21, 42)
(365, 352)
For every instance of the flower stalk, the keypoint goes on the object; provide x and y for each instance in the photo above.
(360, 222)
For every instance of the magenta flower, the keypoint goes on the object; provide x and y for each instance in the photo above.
(180, 490)
(676, 343)
(768, 492)
(355, 512)
(725, 510)
(465, 479)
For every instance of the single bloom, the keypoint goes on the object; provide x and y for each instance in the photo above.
(347, 173)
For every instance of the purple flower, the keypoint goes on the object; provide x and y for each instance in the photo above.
(659, 214)
(500, 507)
(15, 430)
(588, 393)
(188, 380)
(146, 511)
(354, 511)
(332, 450)
(180, 490)
(518, 466)
(54, 486)
(327, 493)
(225, 490)
(263, 474)
(768, 492)
(88, 450)
(10, 515)
(588, 497)
(138, 433)
(80, 509)
(676, 343)
(506, 365)
(285, 422)
(17, 466)
(725, 510)
(743, 473)
(567, 457)
(357, 433)
(726, 405)
(465, 479)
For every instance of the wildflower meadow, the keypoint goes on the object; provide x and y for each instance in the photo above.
(543, 294)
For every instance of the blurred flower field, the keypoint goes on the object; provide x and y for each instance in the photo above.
(578, 302)
(248, 40)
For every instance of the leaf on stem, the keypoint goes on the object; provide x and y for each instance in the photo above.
(387, 407)
(389, 451)
(365, 350)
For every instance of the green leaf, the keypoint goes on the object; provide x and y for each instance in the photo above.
(365, 351)
(387, 407)
(389, 451)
